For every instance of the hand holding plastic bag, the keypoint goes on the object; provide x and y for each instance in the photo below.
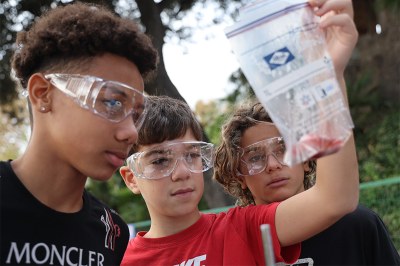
(283, 53)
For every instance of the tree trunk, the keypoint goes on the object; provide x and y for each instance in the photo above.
(377, 53)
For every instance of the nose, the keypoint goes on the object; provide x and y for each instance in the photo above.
(127, 131)
(272, 163)
(181, 171)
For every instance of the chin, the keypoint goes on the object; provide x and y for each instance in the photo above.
(276, 199)
(102, 176)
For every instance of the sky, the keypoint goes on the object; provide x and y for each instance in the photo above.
(200, 70)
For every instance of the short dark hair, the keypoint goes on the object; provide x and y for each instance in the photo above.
(166, 119)
(67, 38)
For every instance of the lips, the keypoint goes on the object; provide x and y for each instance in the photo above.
(277, 182)
(180, 192)
(117, 159)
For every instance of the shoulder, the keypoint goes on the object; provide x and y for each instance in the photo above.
(250, 215)
(5, 167)
(362, 220)
(253, 209)
(108, 216)
(100, 208)
(94, 201)
(363, 215)
(7, 177)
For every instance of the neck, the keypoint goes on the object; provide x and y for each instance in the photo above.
(167, 225)
(50, 180)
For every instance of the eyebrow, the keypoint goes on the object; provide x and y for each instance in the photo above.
(157, 151)
(275, 140)
(164, 150)
(251, 149)
(115, 88)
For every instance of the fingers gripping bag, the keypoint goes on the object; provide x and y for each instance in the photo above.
(282, 52)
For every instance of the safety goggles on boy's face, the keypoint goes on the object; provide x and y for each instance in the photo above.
(111, 100)
(255, 156)
(162, 160)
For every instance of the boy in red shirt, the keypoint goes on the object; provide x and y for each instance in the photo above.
(167, 170)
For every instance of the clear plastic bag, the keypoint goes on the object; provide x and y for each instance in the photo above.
(282, 52)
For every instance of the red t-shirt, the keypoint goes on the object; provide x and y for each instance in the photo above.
(231, 238)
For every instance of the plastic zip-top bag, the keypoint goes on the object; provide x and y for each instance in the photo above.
(282, 52)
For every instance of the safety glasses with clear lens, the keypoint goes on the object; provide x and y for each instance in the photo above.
(255, 157)
(111, 100)
(162, 160)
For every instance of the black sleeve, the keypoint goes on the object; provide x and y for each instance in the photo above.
(379, 247)
(359, 238)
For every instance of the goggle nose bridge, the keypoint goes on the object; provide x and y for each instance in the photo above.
(180, 158)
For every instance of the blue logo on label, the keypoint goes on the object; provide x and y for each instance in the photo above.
(279, 58)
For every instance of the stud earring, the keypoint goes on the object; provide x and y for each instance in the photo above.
(43, 109)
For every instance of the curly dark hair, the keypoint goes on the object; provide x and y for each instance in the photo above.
(166, 119)
(68, 37)
(227, 157)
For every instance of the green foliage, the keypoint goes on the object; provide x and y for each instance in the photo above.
(14, 129)
(379, 157)
(213, 129)
(393, 5)
(242, 90)
(377, 127)
(220, 112)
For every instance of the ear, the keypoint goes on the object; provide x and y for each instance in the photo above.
(306, 166)
(242, 182)
(39, 89)
(129, 179)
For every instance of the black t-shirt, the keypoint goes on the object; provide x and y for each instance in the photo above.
(359, 238)
(34, 234)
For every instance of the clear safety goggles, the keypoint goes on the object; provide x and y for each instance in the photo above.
(111, 100)
(255, 156)
(162, 160)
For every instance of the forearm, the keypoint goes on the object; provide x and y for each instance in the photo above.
(337, 174)
(338, 179)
